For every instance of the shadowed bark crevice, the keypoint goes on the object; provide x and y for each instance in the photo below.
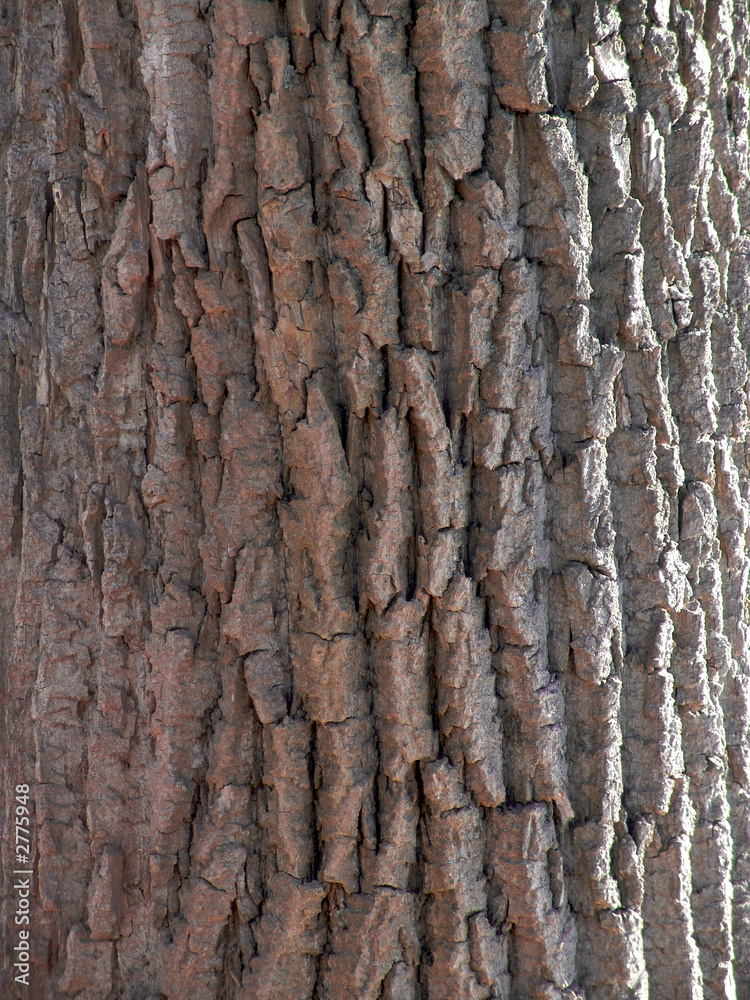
(374, 498)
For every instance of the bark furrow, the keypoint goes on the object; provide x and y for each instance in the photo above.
(374, 498)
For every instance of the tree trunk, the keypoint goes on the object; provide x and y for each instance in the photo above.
(374, 499)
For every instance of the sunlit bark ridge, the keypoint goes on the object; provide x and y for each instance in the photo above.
(374, 498)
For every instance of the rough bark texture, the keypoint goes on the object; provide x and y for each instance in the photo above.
(374, 497)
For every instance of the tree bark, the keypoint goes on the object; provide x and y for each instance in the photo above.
(374, 499)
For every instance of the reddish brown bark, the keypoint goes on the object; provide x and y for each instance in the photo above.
(374, 498)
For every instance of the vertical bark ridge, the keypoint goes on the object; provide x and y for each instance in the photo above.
(375, 496)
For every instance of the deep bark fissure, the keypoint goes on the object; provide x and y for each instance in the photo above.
(374, 497)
